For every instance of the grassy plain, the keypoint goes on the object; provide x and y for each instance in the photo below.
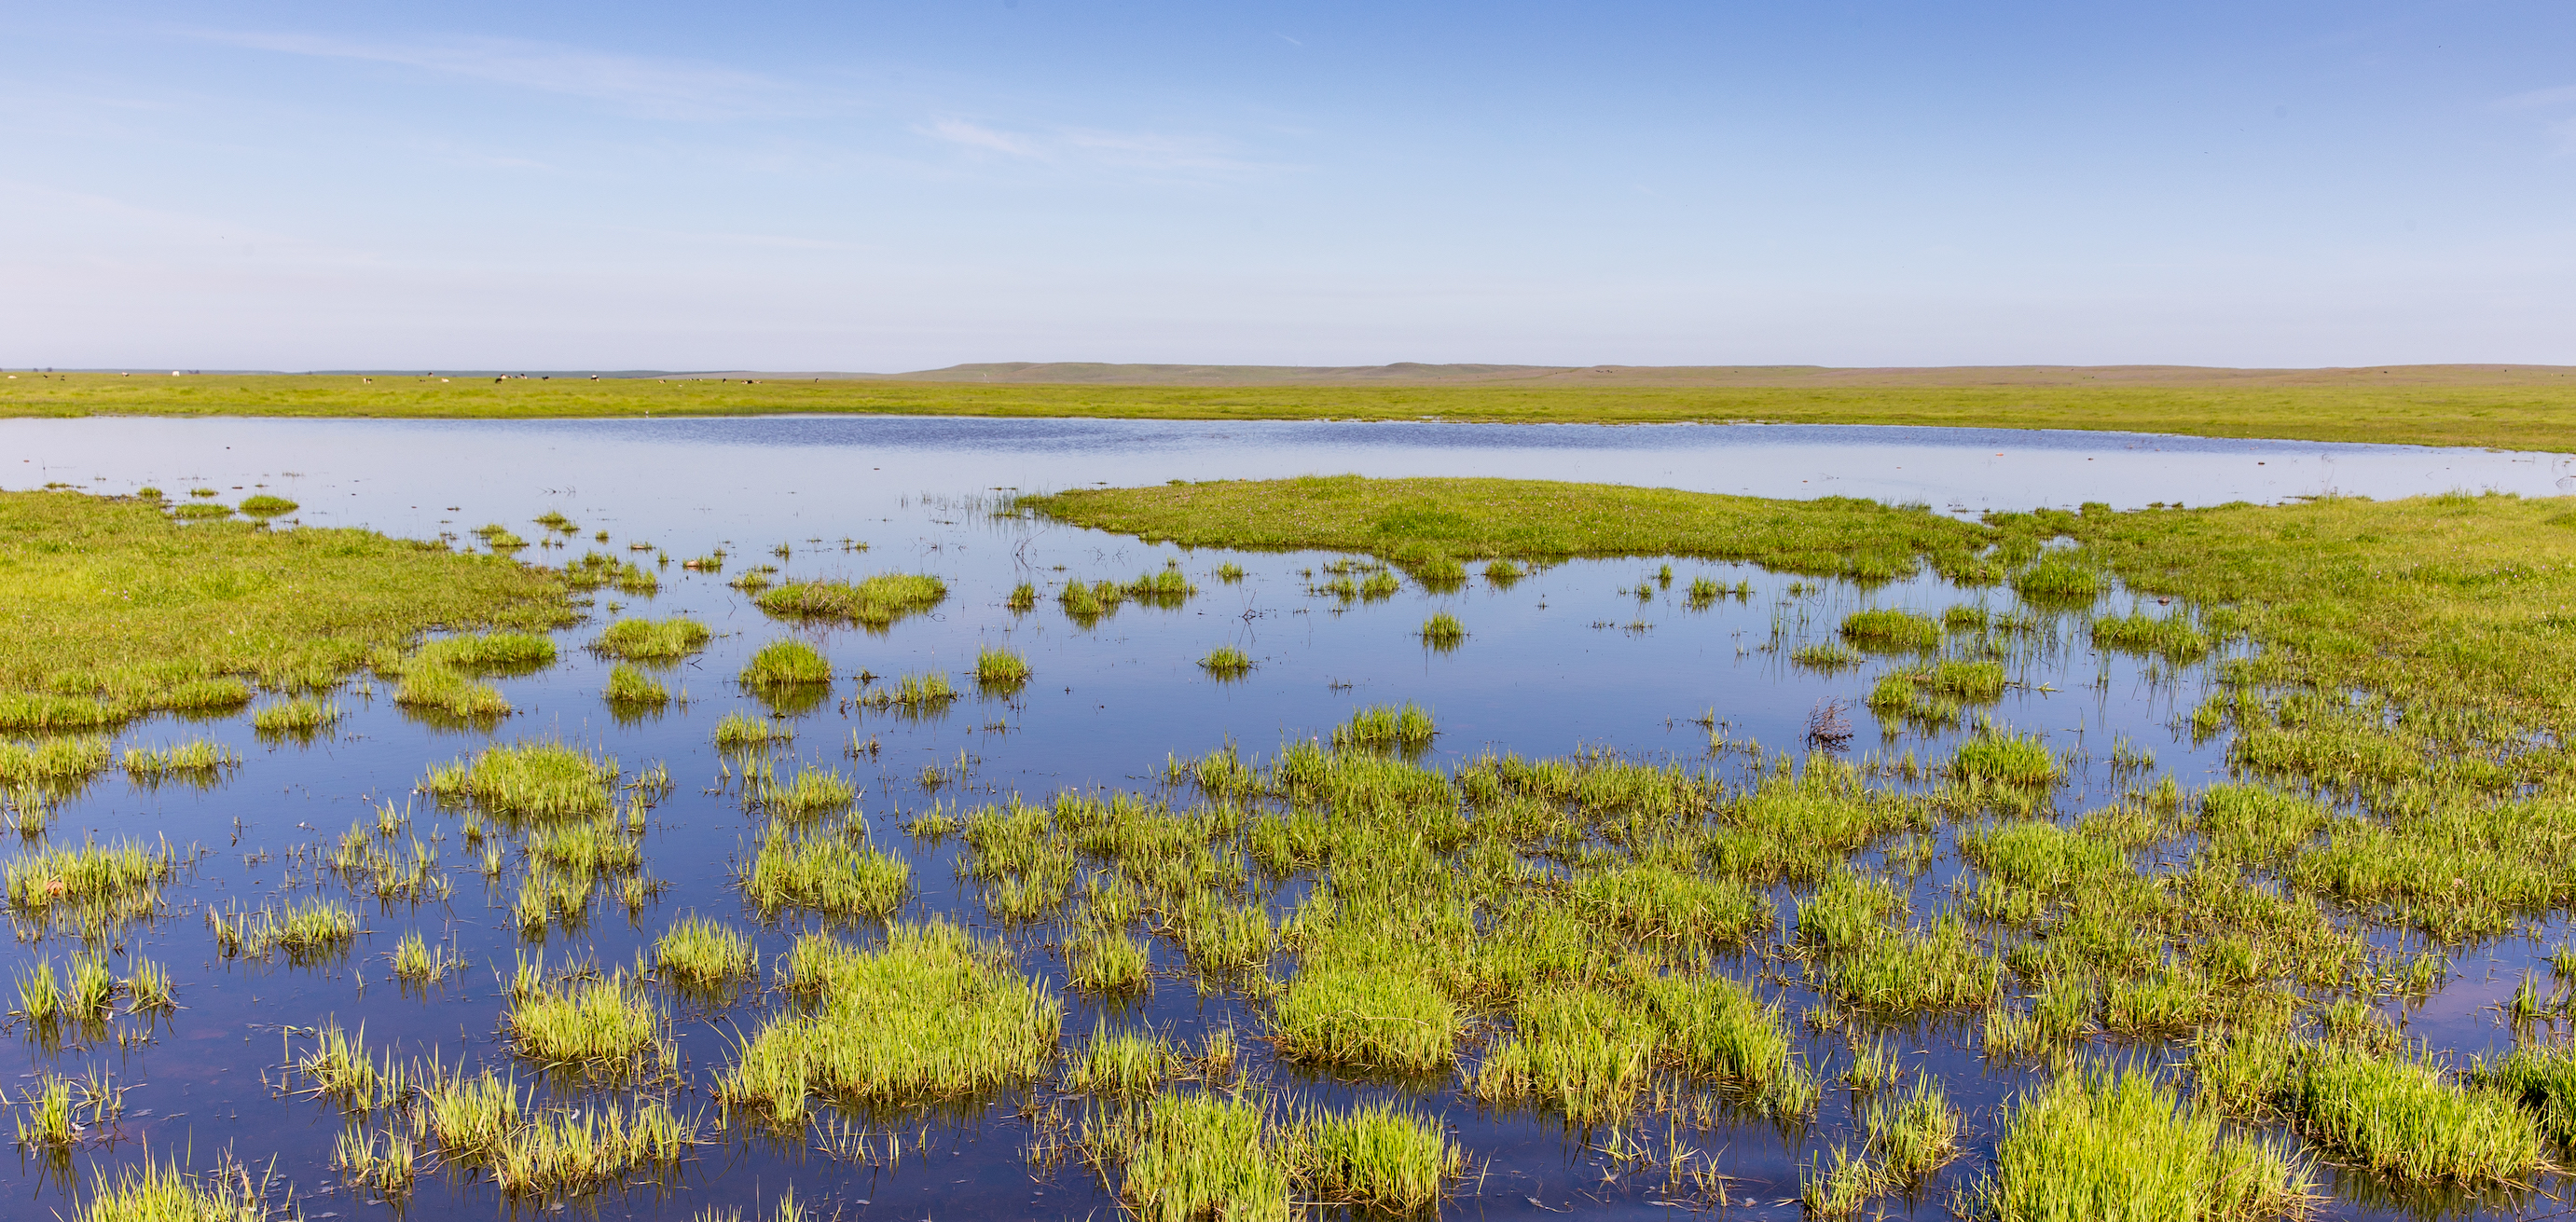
(2410, 643)
(2509, 407)
(114, 609)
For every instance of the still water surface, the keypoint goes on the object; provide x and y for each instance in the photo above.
(1593, 654)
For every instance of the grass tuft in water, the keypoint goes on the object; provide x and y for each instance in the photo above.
(652, 640)
(1443, 631)
(830, 871)
(934, 1013)
(2092, 1143)
(1226, 662)
(1406, 727)
(786, 664)
(629, 685)
(529, 780)
(701, 954)
(294, 717)
(1000, 669)
(1888, 630)
(875, 603)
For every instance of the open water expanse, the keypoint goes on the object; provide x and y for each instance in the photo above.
(1587, 655)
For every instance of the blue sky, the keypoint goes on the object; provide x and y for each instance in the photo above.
(865, 186)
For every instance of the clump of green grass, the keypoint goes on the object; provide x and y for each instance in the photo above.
(1023, 598)
(154, 1191)
(812, 793)
(200, 510)
(147, 987)
(2058, 581)
(2005, 759)
(1827, 656)
(2398, 1114)
(2172, 638)
(1911, 1134)
(2090, 1143)
(1000, 668)
(1583, 1050)
(1123, 1065)
(419, 962)
(629, 685)
(875, 603)
(744, 732)
(199, 760)
(311, 931)
(1165, 588)
(1230, 573)
(116, 882)
(498, 537)
(59, 765)
(1226, 662)
(1407, 727)
(529, 780)
(1888, 629)
(1201, 1156)
(702, 954)
(439, 690)
(913, 693)
(1381, 1156)
(830, 872)
(602, 1026)
(554, 520)
(490, 1122)
(1107, 961)
(786, 664)
(1503, 573)
(652, 640)
(484, 653)
(262, 505)
(1366, 1017)
(1443, 631)
(294, 717)
(935, 1013)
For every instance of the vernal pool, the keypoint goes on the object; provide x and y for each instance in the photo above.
(1613, 666)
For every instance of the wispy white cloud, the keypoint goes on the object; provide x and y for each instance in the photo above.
(978, 136)
(658, 88)
(2557, 96)
(1151, 151)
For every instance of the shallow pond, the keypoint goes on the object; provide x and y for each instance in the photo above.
(1595, 655)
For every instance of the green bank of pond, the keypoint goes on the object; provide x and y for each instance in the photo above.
(902, 849)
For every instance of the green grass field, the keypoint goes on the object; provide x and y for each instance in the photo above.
(2506, 407)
